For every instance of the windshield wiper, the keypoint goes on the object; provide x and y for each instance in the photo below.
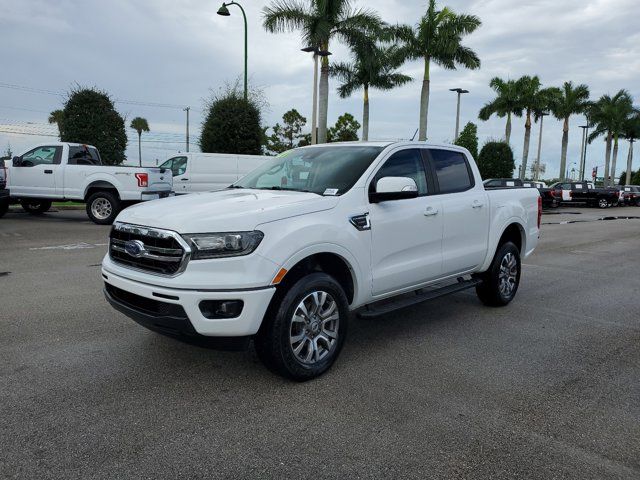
(235, 186)
(275, 187)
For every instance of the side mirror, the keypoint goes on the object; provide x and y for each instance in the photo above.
(394, 188)
(17, 162)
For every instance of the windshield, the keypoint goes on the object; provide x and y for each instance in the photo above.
(322, 170)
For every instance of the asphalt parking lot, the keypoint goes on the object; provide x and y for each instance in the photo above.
(548, 387)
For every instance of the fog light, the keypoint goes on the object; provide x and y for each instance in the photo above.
(221, 308)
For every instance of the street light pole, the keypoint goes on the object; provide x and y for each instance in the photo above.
(186, 109)
(314, 111)
(224, 11)
(583, 153)
(460, 91)
(536, 171)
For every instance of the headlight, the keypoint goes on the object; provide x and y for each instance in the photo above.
(228, 244)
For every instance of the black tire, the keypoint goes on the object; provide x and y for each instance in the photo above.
(4, 207)
(103, 207)
(489, 291)
(273, 342)
(35, 207)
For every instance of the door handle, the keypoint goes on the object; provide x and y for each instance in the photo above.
(477, 204)
(48, 171)
(184, 179)
(430, 211)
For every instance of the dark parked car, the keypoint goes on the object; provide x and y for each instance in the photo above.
(549, 199)
(631, 195)
(585, 193)
(4, 193)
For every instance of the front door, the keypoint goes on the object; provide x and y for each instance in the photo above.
(406, 234)
(178, 167)
(35, 176)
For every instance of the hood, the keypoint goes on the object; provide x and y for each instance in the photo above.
(224, 211)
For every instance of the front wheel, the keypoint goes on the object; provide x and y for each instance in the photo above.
(500, 283)
(103, 208)
(603, 203)
(35, 207)
(302, 335)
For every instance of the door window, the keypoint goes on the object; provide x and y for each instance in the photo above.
(42, 156)
(451, 169)
(177, 165)
(83, 155)
(405, 163)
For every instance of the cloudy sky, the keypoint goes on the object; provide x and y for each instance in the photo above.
(176, 52)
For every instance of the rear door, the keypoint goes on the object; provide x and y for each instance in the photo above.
(566, 192)
(38, 172)
(465, 210)
(81, 162)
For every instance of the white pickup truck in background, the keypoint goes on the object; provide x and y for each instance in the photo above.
(284, 254)
(207, 172)
(74, 172)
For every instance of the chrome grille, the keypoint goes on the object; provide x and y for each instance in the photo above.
(161, 252)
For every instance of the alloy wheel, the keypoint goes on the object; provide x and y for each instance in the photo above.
(313, 332)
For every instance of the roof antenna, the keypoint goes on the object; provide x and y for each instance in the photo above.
(414, 135)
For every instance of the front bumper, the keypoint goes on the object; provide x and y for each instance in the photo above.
(179, 310)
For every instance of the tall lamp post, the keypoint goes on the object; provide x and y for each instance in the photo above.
(224, 11)
(536, 171)
(314, 111)
(460, 91)
(583, 150)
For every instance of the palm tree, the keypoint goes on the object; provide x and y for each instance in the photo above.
(505, 104)
(319, 22)
(373, 67)
(631, 132)
(437, 38)
(533, 101)
(57, 116)
(609, 116)
(140, 125)
(567, 101)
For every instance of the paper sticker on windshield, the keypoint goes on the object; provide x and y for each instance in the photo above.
(331, 191)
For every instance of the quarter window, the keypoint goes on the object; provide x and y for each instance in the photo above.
(405, 163)
(451, 169)
(84, 155)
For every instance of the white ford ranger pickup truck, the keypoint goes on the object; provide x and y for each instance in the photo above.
(61, 171)
(288, 252)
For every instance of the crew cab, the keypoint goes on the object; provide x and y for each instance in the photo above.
(284, 255)
(74, 172)
(585, 193)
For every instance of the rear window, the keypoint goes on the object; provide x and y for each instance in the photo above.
(83, 155)
(452, 170)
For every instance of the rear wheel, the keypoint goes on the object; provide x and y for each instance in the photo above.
(103, 207)
(35, 207)
(500, 283)
(603, 203)
(303, 333)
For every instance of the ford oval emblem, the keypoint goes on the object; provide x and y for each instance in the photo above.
(134, 248)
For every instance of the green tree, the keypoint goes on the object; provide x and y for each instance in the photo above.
(320, 22)
(57, 117)
(567, 101)
(345, 129)
(635, 178)
(506, 103)
(631, 132)
(532, 102)
(288, 135)
(438, 39)
(496, 160)
(373, 66)
(609, 116)
(232, 124)
(140, 125)
(90, 117)
(468, 139)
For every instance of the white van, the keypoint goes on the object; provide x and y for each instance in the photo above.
(206, 172)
